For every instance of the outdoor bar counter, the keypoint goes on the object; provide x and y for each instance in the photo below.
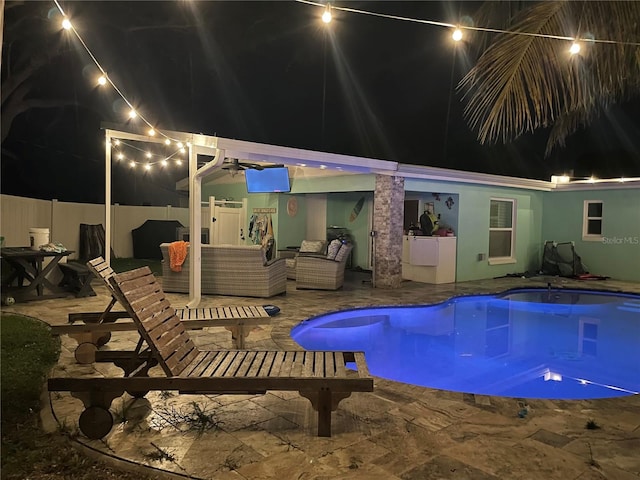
(429, 259)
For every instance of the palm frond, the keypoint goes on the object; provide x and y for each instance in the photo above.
(521, 83)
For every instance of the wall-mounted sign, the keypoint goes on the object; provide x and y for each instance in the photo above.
(265, 210)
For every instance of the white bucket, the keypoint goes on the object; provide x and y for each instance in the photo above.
(37, 237)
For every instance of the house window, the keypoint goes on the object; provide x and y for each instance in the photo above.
(502, 231)
(592, 221)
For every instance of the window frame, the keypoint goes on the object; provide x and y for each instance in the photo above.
(511, 258)
(592, 237)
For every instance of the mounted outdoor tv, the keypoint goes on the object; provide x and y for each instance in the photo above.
(268, 180)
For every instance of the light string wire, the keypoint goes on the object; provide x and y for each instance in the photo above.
(465, 27)
(344, 9)
(164, 158)
(106, 76)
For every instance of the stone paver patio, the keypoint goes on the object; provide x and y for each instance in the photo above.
(399, 431)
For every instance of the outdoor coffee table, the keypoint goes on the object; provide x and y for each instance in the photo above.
(29, 269)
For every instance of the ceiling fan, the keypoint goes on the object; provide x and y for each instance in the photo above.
(233, 166)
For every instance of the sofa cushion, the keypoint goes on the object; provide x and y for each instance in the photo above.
(312, 246)
(343, 252)
(333, 249)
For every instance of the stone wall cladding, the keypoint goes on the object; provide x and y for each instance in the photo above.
(388, 216)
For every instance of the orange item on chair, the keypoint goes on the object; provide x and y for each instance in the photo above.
(177, 254)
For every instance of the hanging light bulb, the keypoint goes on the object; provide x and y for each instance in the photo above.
(132, 164)
(120, 156)
(164, 162)
(575, 48)
(152, 132)
(457, 35)
(116, 142)
(326, 15)
(147, 166)
(167, 141)
(133, 113)
(183, 150)
(148, 154)
(102, 80)
(180, 145)
(178, 162)
(66, 24)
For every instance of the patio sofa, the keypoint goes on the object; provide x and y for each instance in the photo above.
(239, 270)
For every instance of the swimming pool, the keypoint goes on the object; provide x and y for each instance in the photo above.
(526, 343)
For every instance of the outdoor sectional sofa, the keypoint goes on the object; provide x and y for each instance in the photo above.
(239, 270)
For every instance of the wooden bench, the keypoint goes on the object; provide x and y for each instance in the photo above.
(77, 279)
(93, 329)
(320, 376)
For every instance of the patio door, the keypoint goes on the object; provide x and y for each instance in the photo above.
(227, 222)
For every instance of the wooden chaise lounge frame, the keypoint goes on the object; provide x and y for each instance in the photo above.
(93, 329)
(320, 376)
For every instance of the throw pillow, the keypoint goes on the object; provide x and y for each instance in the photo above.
(343, 252)
(333, 249)
(312, 246)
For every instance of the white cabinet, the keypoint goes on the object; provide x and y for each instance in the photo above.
(429, 259)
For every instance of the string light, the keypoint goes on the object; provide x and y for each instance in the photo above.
(467, 27)
(326, 15)
(575, 48)
(149, 162)
(104, 79)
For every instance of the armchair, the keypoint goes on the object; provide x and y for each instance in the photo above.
(307, 247)
(320, 272)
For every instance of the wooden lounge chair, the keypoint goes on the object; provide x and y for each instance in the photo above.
(320, 376)
(93, 329)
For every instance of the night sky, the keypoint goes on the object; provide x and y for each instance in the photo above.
(264, 72)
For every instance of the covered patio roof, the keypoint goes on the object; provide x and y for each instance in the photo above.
(220, 148)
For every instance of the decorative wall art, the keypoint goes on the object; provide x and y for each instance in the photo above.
(356, 210)
(292, 206)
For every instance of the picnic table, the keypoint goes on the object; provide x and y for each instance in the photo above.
(27, 279)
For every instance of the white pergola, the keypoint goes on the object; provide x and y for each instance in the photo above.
(221, 148)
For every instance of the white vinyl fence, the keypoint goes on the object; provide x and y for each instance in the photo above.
(63, 219)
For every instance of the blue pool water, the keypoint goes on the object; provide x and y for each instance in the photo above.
(533, 343)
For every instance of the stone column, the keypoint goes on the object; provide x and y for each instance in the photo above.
(388, 218)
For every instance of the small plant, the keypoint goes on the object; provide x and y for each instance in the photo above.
(198, 419)
(591, 425)
(290, 445)
(165, 394)
(159, 455)
(230, 463)
(68, 430)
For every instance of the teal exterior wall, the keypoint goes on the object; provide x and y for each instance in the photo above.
(291, 230)
(540, 216)
(618, 255)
